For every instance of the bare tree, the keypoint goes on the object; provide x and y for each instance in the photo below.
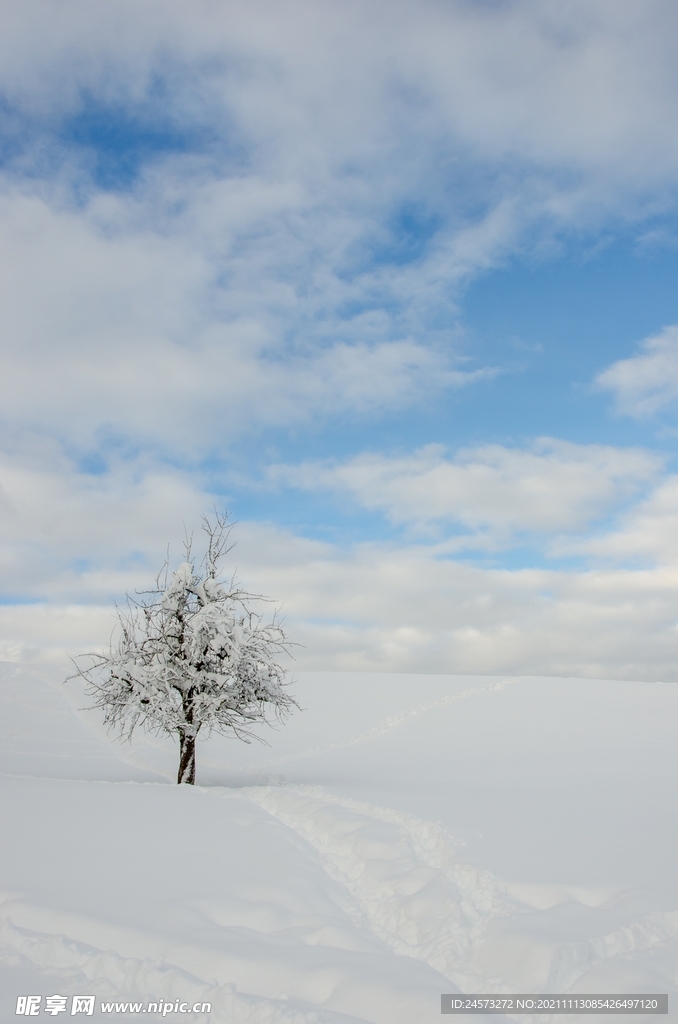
(191, 655)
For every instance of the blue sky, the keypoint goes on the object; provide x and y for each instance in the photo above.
(396, 283)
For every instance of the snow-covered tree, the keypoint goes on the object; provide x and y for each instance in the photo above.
(191, 655)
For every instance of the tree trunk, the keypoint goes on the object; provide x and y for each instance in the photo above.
(186, 760)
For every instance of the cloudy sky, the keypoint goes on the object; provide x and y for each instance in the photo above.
(395, 282)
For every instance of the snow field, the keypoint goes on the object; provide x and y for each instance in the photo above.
(341, 875)
(218, 888)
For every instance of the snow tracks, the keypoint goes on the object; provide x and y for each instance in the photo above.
(411, 889)
(407, 886)
(296, 906)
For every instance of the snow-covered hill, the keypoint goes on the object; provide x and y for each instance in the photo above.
(402, 837)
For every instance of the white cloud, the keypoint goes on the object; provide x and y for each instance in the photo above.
(69, 536)
(647, 533)
(646, 383)
(386, 608)
(260, 277)
(75, 542)
(118, 329)
(405, 608)
(554, 486)
(587, 84)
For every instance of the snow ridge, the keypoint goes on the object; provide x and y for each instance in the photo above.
(111, 976)
(388, 725)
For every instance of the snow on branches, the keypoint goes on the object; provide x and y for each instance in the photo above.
(192, 655)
